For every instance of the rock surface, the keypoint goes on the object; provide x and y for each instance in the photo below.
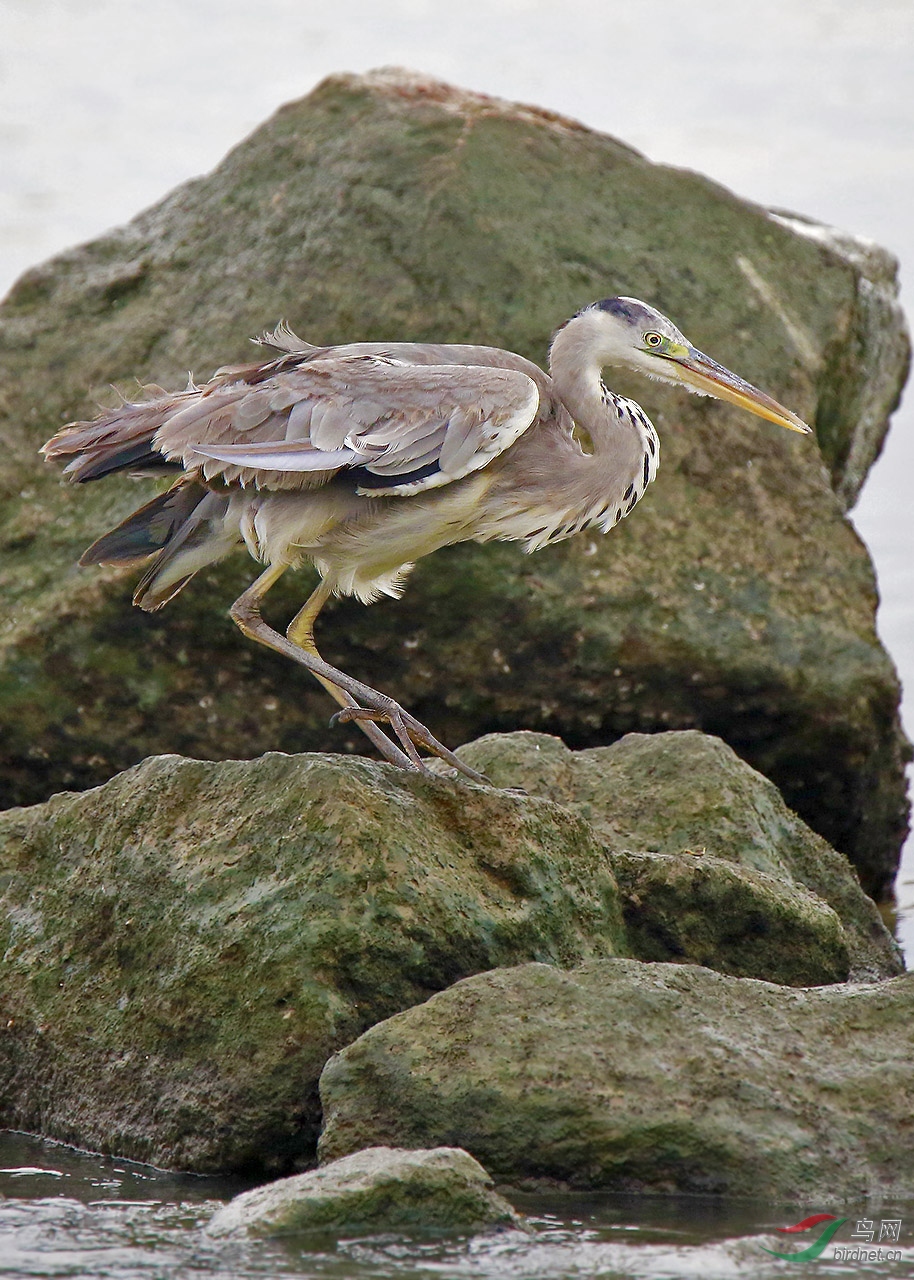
(185, 946)
(691, 907)
(375, 1190)
(686, 806)
(736, 598)
(628, 1076)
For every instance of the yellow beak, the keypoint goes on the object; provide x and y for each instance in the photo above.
(702, 374)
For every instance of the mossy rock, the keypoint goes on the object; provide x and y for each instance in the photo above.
(626, 1076)
(736, 599)
(712, 865)
(185, 946)
(378, 1190)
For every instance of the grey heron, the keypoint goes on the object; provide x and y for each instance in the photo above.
(364, 457)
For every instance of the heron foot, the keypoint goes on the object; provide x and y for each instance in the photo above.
(411, 734)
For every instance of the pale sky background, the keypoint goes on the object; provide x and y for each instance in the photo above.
(800, 104)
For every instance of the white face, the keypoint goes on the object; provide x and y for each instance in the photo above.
(627, 332)
(636, 336)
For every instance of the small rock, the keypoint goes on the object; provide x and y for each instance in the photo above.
(379, 1189)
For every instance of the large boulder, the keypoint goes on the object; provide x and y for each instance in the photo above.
(185, 946)
(626, 1076)
(705, 851)
(371, 1191)
(737, 599)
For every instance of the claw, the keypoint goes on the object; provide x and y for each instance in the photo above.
(411, 734)
(347, 714)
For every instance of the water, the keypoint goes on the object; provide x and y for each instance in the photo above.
(85, 1217)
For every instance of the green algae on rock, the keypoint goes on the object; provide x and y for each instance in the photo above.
(621, 1075)
(185, 946)
(674, 808)
(691, 907)
(737, 600)
(379, 1189)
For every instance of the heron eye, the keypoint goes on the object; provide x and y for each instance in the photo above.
(653, 340)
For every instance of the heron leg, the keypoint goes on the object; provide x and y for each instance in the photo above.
(246, 615)
(359, 701)
(301, 632)
(410, 732)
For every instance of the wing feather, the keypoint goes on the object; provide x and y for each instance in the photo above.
(299, 425)
(330, 425)
(278, 455)
(461, 441)
(251, 410)
(284, 397)
(382, 418)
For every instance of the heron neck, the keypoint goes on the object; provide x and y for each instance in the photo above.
(576, 376)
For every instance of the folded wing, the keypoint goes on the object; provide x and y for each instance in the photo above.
(398, 428)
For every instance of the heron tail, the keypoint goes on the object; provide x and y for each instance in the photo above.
(183, 530)
(119, 440)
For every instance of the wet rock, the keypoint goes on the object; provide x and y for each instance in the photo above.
(621, 1075)
(715, 856)
(736, 599)
(690, 907)
(375, 1190)
(185, 946)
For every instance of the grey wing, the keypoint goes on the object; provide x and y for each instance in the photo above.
(398, 428)
(420, 353)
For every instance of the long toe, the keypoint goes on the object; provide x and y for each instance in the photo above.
(423, 738)
(411, 733)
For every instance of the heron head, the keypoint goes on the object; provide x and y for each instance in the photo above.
(632, 334)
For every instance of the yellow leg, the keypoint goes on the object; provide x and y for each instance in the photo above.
(301, 629)
(245, 613)
(301, 632)
(359, 701)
